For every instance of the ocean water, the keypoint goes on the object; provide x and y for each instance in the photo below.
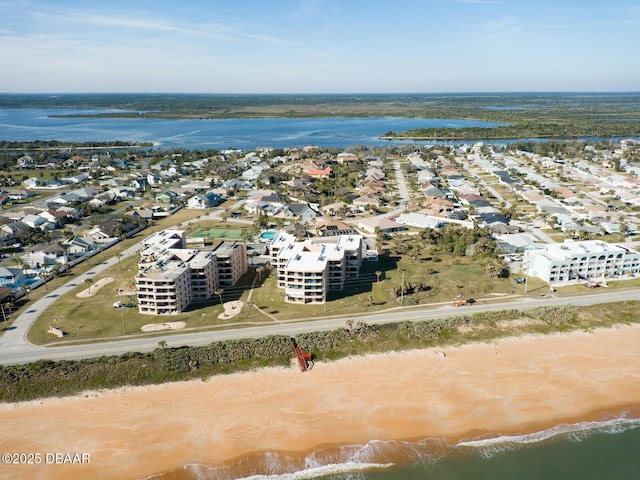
(607, 449)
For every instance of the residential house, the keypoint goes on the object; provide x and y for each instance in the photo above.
(25, 162)
(419, 220)
(111, 229)
(154, 179)
(16, 230)
(380, 224)
(20, 194)
(373, 188)
(346, 157)
(80, 246)
(252, 174)
(266, 202)
(76, 179)
(140, 183)
(374, 174)
(7, 238)
(202, 201)
(42, 255)
(300, 211)
(237, 184)
(36, 221)
(320, 172)
(34, 182)
(145, 214)
(167, 196)
(332, 229)
(337, 207)
(67, 214)
(121, 193)
(80, 195)
(11, 277)
(365, 201)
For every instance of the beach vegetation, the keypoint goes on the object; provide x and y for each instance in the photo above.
(46, 378)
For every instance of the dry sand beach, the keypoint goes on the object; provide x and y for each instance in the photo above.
(514, 385)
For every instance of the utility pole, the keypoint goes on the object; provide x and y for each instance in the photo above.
(402, 289)
(525, 266)
(124, 328)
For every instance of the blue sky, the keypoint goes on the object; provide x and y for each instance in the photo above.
(319, 46)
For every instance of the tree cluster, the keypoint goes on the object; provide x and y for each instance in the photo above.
(461, 241)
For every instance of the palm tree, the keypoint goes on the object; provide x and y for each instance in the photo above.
(219, 292)
(378, 273)
(10, 303)
(89, 281)
(25, 290)
(43, 276)
(245, 234)
(20, 263)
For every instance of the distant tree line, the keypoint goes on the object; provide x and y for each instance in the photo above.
(50, 144)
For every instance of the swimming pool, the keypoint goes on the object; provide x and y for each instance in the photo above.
(268, 235)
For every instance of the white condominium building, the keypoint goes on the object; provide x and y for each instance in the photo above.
(171, 276)
(163, 291)
(232, 262)
(587, 260)
(308, 270)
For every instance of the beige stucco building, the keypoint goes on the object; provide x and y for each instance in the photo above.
(171, 276)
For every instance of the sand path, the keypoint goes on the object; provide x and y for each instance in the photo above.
(93, 288)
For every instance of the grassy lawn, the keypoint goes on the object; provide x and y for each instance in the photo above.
(94, 317)
(445, 279)
(89, 318)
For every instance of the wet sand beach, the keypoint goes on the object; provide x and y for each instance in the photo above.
(510, 386)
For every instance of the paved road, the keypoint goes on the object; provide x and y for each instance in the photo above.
(14, 344)
(403, 191)
(15, 353)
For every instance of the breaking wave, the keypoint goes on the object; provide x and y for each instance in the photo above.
(354, 461)
(342, 460)
(488, 447)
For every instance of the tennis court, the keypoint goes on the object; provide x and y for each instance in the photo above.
(224, 233)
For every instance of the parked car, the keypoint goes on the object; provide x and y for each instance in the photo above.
(123, 305)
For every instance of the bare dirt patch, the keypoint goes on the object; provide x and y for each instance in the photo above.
(231, 309)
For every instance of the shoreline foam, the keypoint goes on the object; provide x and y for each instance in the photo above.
(513, 386)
